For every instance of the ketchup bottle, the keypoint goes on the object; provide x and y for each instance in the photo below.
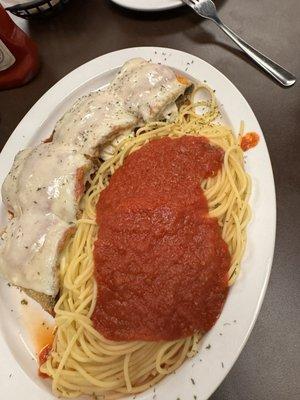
(19, 61)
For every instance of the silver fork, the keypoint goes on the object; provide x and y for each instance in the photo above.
(207, 9)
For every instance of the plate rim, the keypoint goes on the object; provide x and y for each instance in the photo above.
(144, 8)
(14, 143)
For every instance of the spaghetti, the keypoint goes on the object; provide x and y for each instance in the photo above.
(82, 360)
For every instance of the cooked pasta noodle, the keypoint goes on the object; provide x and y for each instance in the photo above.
(82, 361)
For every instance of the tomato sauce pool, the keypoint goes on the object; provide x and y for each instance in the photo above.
(161, 264)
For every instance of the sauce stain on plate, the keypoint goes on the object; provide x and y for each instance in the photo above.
(249, 140)
(39, 327)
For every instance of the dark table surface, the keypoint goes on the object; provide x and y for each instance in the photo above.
(269, 366)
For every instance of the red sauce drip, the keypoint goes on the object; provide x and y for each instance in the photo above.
(41, 331)
(43, 355)
(249, 140)
(160, 262)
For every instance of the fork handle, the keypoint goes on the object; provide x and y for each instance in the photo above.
(279, 73)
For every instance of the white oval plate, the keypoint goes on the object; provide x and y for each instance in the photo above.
(220, 347)
(149, 5)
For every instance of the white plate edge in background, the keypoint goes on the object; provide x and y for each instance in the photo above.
(149, 5)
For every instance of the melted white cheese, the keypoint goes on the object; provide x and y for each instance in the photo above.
(46, 178)
(147, 89)
(29, 251)
(140, 93)
(92, 120)
(9, 187)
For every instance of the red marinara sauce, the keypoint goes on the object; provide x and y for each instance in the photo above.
(19, 61)
(249, 140)
(161, 264)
